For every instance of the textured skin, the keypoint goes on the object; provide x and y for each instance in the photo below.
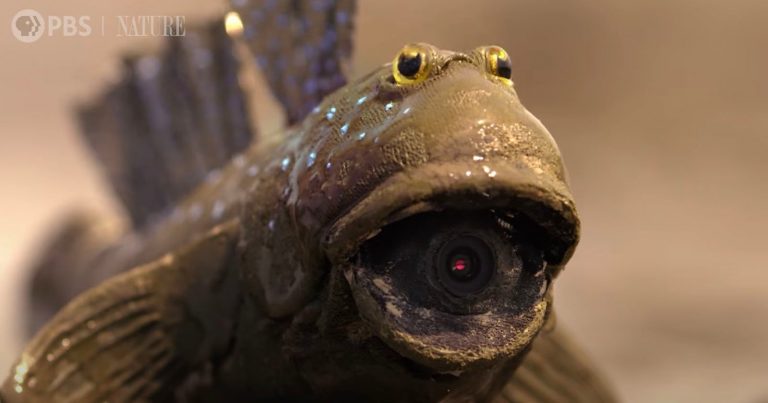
(311, 320)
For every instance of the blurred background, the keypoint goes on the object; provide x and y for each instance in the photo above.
(660, 108)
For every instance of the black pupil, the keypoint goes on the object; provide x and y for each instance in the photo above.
(409, 65)
(504, 68)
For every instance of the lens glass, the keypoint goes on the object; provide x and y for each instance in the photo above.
(465, 265)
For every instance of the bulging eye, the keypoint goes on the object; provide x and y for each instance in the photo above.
(497, 63)
(412, 65)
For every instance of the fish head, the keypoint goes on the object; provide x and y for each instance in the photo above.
(440, 205)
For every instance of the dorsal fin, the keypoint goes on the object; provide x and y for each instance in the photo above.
(175, 116)
(303, 46)
(171, 119)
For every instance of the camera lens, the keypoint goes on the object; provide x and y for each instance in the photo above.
(465, 265)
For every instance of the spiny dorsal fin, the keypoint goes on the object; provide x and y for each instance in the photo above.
(171, 119)
(303, 47)
(176, 116)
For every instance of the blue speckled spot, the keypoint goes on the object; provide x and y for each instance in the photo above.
(331, 112)
(344, 128)
(213, 176)
(178, 214)
(218, 209)
(389, 106)
(328, 165)
(195, 211)
(311, 158)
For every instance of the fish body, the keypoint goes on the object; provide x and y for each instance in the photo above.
(397, 244)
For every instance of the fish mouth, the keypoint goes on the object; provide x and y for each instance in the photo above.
(483, 339)
(460, 186)
(442, 346)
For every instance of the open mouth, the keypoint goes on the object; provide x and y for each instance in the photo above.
(439, 187)
(451, 272)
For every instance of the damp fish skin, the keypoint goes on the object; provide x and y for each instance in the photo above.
(309, 268)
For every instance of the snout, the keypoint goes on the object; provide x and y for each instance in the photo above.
(438, 335)
(459, 162)
(462, 186)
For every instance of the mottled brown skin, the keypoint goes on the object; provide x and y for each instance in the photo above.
(266, 284)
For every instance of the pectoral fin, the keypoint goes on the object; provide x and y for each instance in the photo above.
(138, 336)
(555, 371)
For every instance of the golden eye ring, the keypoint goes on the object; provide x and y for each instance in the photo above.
(412, 64)
(498, 64)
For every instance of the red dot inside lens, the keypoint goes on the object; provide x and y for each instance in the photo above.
(459, 264)
(465, 265)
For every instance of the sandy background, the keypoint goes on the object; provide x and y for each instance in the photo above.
(660, 108)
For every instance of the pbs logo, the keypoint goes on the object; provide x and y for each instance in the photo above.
(28, 25)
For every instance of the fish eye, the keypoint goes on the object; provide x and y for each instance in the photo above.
(465, 265)
(412, 64)
(497, 63)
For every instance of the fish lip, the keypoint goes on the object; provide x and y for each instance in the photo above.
(443, 186)
(427, 353)
(418, 370)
